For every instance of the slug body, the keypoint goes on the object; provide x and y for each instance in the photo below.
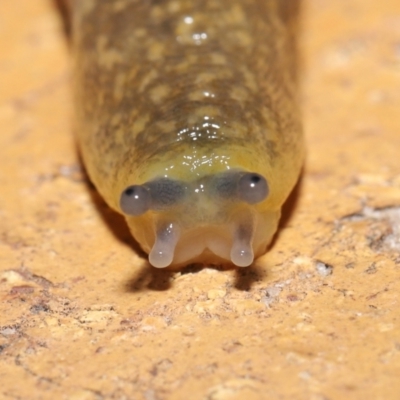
(188, 122)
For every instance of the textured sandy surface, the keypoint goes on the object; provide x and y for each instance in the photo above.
(82, 315)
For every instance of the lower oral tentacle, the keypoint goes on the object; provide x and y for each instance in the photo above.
(162, 253)
(242, 254)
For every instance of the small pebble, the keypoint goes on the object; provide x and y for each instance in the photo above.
(323, 269)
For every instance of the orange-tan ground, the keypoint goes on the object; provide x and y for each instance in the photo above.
(83, 316)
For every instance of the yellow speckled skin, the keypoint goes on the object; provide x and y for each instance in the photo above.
(186, 89)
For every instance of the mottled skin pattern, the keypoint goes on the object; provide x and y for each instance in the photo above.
(186, 89)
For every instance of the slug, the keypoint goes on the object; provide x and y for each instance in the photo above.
(187, 121)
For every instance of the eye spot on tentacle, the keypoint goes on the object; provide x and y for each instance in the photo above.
(135, 200)
(252, 188)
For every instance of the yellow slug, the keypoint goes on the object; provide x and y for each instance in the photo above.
(187, 121)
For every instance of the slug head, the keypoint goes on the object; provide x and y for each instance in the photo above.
(218, 216)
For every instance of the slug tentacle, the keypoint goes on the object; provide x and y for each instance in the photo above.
(162, 253)
(242, 254)
(158, 194)
(237, 185)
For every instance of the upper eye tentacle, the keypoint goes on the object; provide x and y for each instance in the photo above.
(157, 194)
